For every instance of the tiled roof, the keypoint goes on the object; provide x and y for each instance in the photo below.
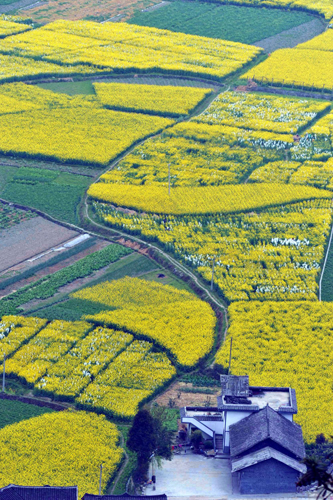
(262, 425)
(267, 453)
(13, 492)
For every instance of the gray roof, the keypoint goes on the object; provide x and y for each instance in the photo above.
(13, 492)
(267, 453)
(262, 425)
(124, 496)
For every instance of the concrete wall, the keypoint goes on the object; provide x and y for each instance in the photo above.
(288, 416)
(267, 477)
(230, 418)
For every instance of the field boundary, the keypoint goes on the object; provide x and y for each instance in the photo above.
(33, 401)
(325, 262)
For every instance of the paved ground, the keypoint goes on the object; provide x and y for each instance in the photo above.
(292, 37)
(30, 238)
(193, 476)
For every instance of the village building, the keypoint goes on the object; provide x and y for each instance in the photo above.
(124, 496)
(254, 428)
(14, 492)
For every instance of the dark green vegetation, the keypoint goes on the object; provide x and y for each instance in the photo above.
(147, 435)
(48, 285)
(71, 310)
(168, 416)
(15, 411)
(327, 282)
(70, 88)
(131, 464)
(56, 193)
(9, 216)
(229, 22)
(201, 380)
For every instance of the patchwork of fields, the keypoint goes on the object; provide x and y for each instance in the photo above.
(200, 196)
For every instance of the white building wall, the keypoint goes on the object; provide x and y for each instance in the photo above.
(230, 418)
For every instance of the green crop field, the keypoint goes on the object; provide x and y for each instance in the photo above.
(229, 22)
(56, 193)
(15, 411)
(327, 283)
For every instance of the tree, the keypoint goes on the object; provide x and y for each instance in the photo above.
(149, 437)
(196, 438)
(142, 436)
(317, 472)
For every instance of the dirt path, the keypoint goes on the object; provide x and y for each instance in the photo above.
(122, 468)
(294, 93)
(292, 37)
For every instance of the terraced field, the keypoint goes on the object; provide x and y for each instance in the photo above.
(188, 205)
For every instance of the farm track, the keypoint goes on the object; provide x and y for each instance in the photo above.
(294, 93)
(324, 265)
(183, 269)
(122, 468)
(114, 234)
(293, 36)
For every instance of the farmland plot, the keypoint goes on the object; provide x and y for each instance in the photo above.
(229, 22)
(129, 48)
(30, 238)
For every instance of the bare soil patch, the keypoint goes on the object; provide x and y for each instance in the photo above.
(181, 399)
(29, 238)
(47, 270)
(87, 9)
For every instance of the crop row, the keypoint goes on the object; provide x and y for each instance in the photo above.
(122, 47)
(202, 200)
(73, 361)
(48, 285)
(309, 173)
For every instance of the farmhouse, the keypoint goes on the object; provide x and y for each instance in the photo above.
(14, 492)
(253, 426)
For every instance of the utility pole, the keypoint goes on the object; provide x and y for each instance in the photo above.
(230, 356)
(169, 183)
(212, 282)
(4, 374)
(100, 479)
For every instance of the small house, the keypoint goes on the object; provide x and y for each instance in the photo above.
(14, 492)
(265, 452)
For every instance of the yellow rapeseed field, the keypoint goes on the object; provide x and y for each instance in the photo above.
(286, 344)
(154, 99)
(121, 46)
(299, 67)
(60, 449)
(11, 28)
(169, 316)
(44, 124)
(202, 200)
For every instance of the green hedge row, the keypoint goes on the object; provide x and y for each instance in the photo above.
(47, 286)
